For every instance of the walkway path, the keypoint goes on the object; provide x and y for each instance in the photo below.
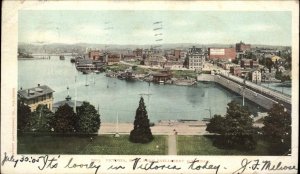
(172, 150)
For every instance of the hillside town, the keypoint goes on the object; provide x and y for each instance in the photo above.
(257, 64)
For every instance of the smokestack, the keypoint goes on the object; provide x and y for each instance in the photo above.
(21, 88)
(28, 92)
(38, 85)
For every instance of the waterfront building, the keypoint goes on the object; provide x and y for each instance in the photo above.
(174, 64)
(36, 96)
(255, 76)
(85, 64)
(162, 77)
(113, 59)
(155, 60)
(94, 55)
(196, 58)
(225, 54)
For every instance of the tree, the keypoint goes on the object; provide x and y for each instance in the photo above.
(278, 75)
(141, 132)
(216, 124)
(23, 115)
(277, 129)
(88, 119)
(237, 128)
(64, 119)
(40, 119)
(269, 63)
(134, 68)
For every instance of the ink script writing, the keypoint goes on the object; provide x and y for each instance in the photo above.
(263, 165)
(55, 162)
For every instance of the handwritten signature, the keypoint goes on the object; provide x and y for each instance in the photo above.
(263, 165)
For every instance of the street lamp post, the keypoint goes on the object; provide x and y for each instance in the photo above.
(209, 112)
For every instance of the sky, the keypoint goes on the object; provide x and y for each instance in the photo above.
(137, 27)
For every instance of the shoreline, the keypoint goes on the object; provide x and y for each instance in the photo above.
(162, 128)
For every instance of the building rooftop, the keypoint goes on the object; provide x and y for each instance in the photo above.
(35, 92)
(71, 103)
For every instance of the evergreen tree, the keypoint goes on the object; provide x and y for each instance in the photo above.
(88, 119)
(23, 115)
(277, 129)
(64, 119)
(141, 132)
(40, 119)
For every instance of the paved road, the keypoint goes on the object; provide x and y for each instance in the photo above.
(172, 149)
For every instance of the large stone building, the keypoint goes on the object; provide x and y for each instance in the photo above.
(196, 58)
(36, 96)
(177, 54)
(242, 47)
(227, 54)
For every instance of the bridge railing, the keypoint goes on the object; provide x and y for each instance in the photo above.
(260, 89)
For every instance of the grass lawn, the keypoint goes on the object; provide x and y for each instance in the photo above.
(118, 67)
(103, 144)
(183, 74)
(201, 145)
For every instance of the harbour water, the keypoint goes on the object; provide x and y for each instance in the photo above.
(278, 87)
(119, 97)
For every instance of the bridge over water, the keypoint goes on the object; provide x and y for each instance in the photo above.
(258, 94)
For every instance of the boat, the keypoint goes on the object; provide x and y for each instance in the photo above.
(72, 60)
(85, 71)
(96, 71)
(62, 57)
(161, 82)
